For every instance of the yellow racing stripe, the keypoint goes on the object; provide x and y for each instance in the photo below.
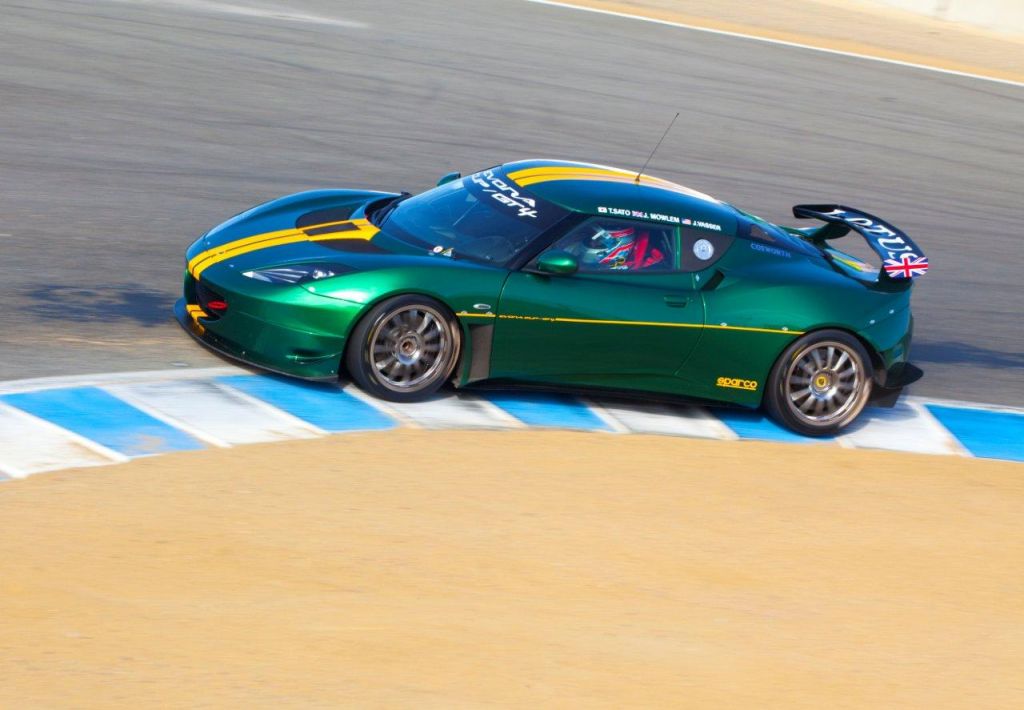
(195, 313)
(209, 253)
(622, 179)
(783, 331)
(518, 175)
(531, 176)
(364, 230)
(534, 175)
(653, 324)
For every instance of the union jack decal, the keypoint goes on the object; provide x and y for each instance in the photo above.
(906, 267)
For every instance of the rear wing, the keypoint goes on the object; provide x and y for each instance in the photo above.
(901, 257)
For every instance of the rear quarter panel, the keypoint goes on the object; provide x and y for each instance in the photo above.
(765, 302)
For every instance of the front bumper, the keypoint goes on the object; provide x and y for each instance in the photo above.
(301, 336)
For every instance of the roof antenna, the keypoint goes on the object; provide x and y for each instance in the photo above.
(636, 180)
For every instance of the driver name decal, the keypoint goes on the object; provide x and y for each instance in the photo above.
(658, 217)
(703, 225)
(639, 214)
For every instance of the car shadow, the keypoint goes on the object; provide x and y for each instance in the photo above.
(956, 353)
(86, 304)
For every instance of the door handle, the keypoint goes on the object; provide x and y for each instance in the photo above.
(675, 300)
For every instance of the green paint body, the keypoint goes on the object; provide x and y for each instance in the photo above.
(673, 333)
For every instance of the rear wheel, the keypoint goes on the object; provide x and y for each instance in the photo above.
(820, 383)
(404, 349)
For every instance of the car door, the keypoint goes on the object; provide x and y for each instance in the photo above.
(627, 319)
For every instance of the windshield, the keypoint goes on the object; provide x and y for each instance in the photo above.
(483, 218)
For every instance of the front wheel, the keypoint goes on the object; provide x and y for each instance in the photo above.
(820, 383)
(404, 349)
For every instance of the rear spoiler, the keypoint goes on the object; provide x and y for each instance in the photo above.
(901, 258)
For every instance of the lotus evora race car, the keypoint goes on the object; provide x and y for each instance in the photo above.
(567, 276)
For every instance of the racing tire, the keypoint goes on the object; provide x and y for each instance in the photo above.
(820, 383)
(404, 348)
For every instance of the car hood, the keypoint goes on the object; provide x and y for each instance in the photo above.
(325, 228)
(308, 225)
(302, 209)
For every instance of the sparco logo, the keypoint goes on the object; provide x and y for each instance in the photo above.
(737, 384)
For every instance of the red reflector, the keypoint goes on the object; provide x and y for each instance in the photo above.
(217, 305)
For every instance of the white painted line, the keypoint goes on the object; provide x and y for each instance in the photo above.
(211, 412)
(146, 399)
(264, 13)
(386, 408)
(1005, 408)
(32, 445)
(667, 419)
(194, 402)
(455, 412)
(100, 379)
(287, 423)
(7, 472)
(783, 43)
(605, 416)
(507, 421)
(906, 427)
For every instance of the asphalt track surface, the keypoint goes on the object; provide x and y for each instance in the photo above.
(129, 128)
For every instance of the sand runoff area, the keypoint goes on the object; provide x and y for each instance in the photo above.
(525, 569)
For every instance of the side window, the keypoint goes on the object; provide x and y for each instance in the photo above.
(609, 245)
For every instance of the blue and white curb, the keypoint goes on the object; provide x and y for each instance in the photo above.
(55, 423)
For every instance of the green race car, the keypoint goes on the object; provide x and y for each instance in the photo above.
(562, 275)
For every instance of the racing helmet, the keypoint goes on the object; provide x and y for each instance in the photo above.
(609, 248)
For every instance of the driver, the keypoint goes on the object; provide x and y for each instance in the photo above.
(619, 250)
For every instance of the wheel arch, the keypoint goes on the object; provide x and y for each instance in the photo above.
(367, 307)
(872, 351)
(772, 393)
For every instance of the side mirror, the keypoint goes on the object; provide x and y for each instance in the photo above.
(557, 262)
(448, 178)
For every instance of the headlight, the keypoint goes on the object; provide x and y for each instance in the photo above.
(297, 273)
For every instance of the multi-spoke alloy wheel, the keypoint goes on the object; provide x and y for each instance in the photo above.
(408, 346)
(404, 349)
(821, 383)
